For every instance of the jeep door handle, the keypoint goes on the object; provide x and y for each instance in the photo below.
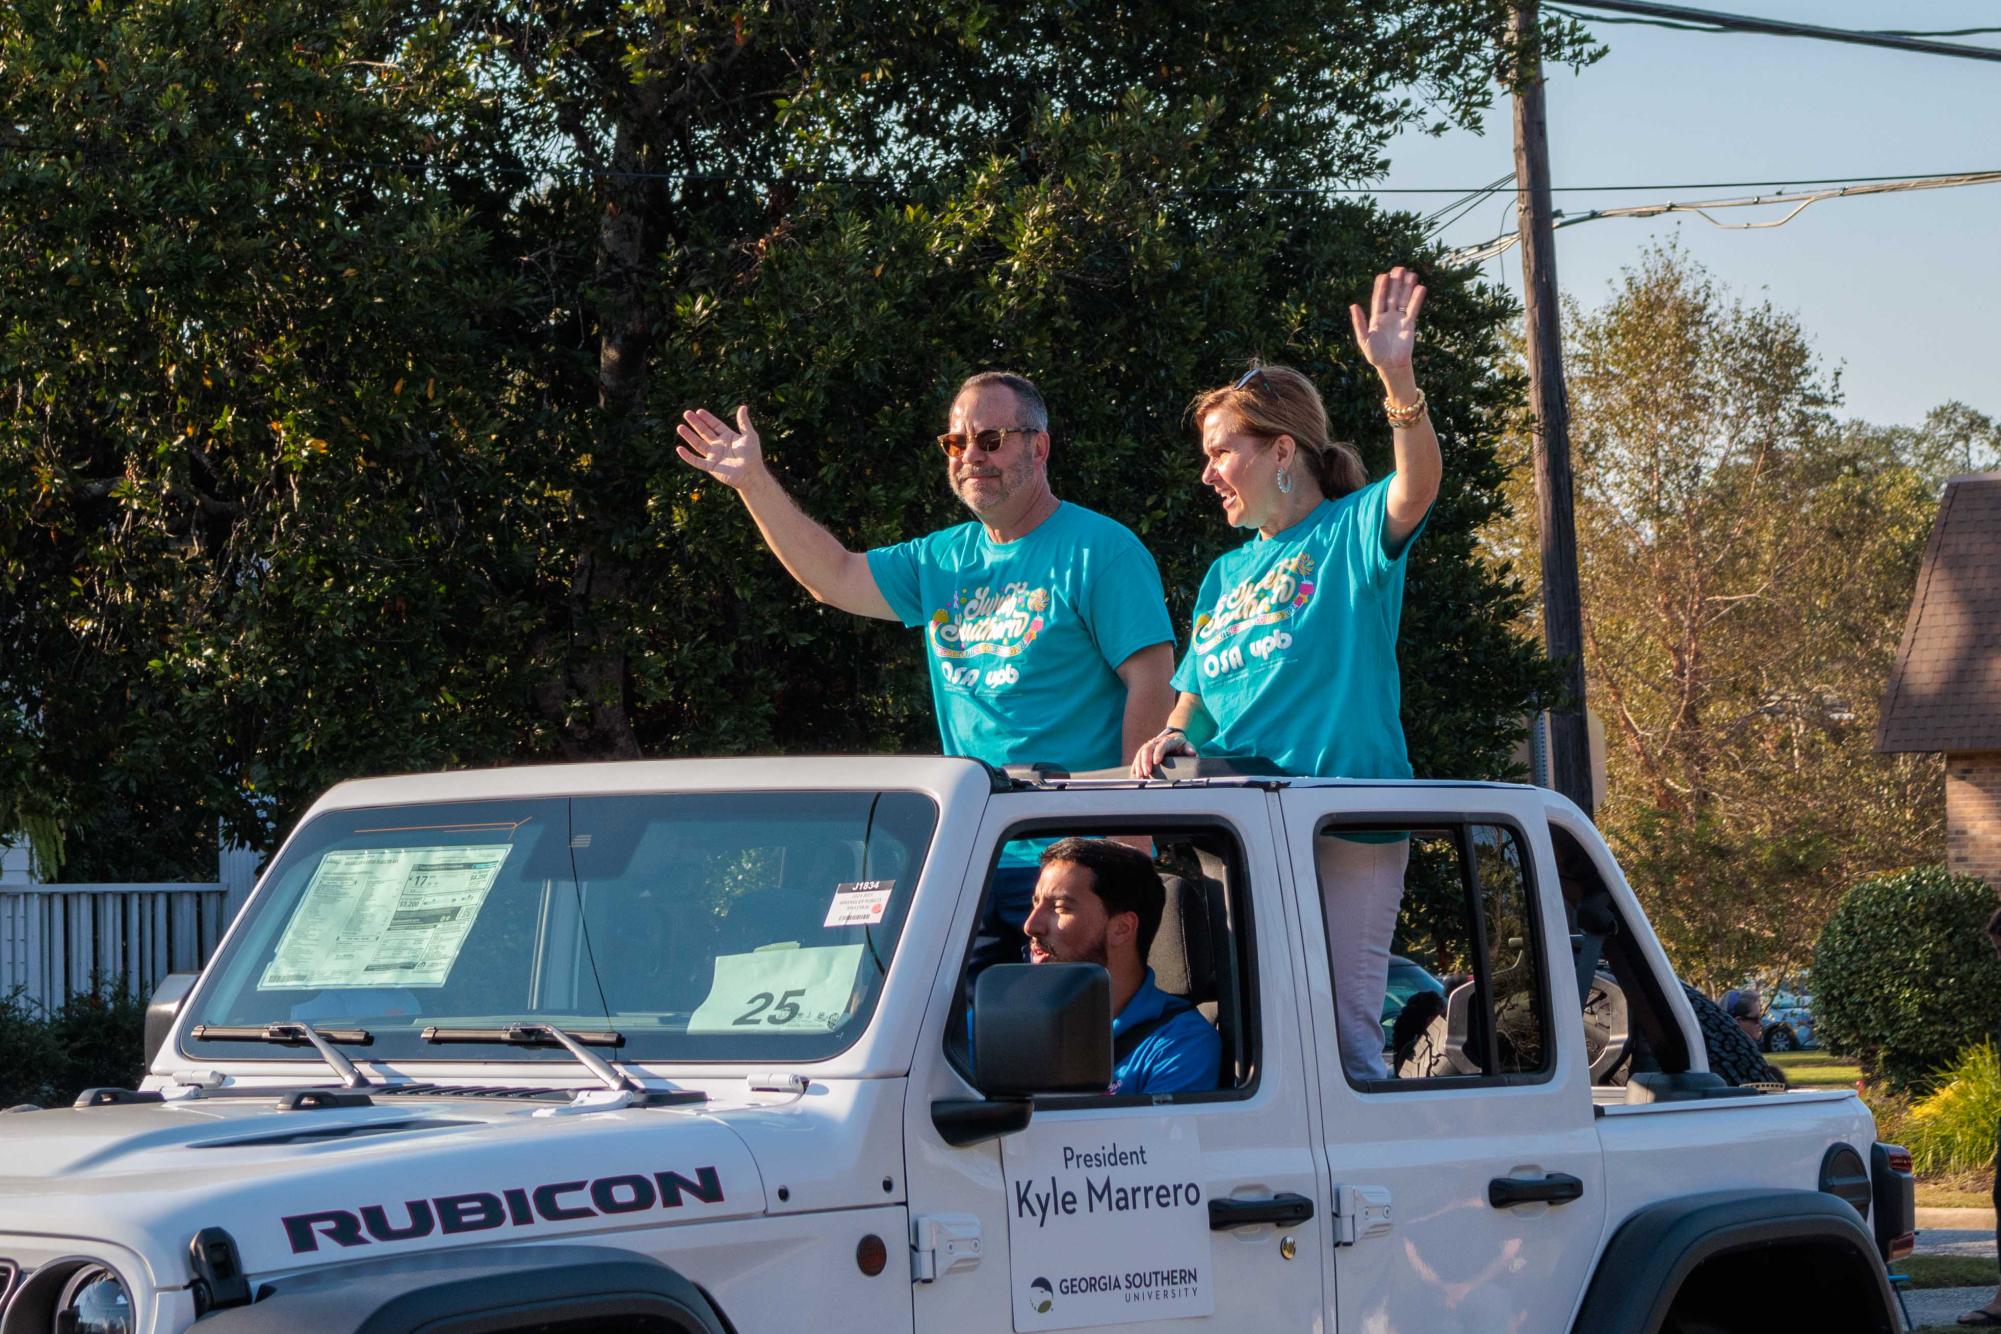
(1284, 1209)
(1556, 1188)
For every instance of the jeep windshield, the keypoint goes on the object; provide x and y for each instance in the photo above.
(742, 926)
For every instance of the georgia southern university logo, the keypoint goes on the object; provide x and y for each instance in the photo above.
(1041, 1296)
(510, 1206)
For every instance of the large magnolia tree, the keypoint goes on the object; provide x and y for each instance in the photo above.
(342, 345)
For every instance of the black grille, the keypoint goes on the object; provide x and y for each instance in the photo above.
(8, 1271)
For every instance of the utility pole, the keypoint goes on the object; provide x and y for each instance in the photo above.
(1562, 615)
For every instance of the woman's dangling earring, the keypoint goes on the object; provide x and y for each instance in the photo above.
(1284, 480)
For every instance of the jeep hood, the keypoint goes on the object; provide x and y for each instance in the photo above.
(303, 1187)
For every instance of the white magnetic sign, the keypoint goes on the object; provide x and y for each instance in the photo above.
(1107, 1222)
(780, 990)
(383, 917)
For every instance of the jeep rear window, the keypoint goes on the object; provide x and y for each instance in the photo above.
(745, 926)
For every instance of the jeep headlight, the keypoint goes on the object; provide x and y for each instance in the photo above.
(94, 1301)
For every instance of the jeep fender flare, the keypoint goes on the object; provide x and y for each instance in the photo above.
(1650, 1256)
(484, 1291)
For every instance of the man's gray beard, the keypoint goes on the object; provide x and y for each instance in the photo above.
(1012, 480)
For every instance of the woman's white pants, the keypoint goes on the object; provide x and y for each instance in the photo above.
(1361, 891)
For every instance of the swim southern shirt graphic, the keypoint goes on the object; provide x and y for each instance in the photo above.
(1274, 597)
(1322, 599)
(1023, 639)
(986, 622)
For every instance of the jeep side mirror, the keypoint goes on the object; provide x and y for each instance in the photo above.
(1042, 1028)
(1037, 1028)
(163, 1009)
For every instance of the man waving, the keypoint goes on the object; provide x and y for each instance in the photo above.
(1045, 626)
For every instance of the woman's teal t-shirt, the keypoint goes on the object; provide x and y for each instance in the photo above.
(1294, 649)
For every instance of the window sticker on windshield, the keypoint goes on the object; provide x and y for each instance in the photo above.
(377, 916)
(803, 990)
(860, 903)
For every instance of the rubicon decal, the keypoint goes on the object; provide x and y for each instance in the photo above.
(512, 1206)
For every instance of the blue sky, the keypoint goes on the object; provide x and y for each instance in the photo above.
(1902, 292)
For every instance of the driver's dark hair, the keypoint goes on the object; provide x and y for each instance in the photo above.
(1123, 878)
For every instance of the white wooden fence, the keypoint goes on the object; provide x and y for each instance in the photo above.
(55, 940)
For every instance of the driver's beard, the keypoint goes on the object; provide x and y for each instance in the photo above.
(1093, 953)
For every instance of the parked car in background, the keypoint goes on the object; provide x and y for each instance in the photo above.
(1407, 978)
(1788, 1021)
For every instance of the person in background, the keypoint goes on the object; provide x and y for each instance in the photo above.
(1748, 1010)
(1293, 652)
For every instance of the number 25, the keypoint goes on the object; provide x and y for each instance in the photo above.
(784, 1012)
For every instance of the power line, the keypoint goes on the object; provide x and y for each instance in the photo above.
(1712, 21)
(1714, 27)
(1800, 200)
(1460, 193)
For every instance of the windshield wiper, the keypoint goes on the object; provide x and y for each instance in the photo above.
(548, 1035)
(297, 1033)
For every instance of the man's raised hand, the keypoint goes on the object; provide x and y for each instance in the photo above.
(732, 457)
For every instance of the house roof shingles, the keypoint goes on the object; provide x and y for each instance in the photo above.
(1945, 690)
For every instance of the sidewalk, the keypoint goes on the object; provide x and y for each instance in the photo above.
(1950, 1232)
(1933, 1307)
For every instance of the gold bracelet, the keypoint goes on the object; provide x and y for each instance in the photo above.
(1404, 414)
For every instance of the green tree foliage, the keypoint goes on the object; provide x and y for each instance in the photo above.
(1904, 976)
(249, 416)
(344, 344)
(1746, 565)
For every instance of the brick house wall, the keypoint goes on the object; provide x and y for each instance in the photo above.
(1973, 815)
(1944, 693)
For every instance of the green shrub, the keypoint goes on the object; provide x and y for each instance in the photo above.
(102, 1035)
(29, 1058)
(95, 1039)
(1952, 1130)
(1904, 978)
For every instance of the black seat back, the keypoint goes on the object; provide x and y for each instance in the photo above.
(1193, 956)
(1183, 956)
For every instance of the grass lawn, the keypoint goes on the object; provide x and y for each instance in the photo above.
(1956, 1193)
(1949, 1271)
(1815, 1069)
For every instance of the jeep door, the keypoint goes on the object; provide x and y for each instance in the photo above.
(1099, 1212)
(1467, 1176)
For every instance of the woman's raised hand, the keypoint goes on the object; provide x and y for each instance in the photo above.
(1170, 741)
(1388, 330)
(732, 457)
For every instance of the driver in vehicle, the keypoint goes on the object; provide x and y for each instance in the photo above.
(1101, 902)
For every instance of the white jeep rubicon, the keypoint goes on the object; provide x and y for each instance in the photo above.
(691, 1046)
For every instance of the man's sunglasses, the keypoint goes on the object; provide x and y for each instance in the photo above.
(955, 443)
(1255, 375)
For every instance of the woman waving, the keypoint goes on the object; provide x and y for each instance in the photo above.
(1293, 653)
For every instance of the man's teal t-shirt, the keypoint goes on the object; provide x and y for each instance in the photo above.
(1024, 638)
(1294, 650)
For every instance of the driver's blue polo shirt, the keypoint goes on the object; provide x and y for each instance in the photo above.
(1183, 1055)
